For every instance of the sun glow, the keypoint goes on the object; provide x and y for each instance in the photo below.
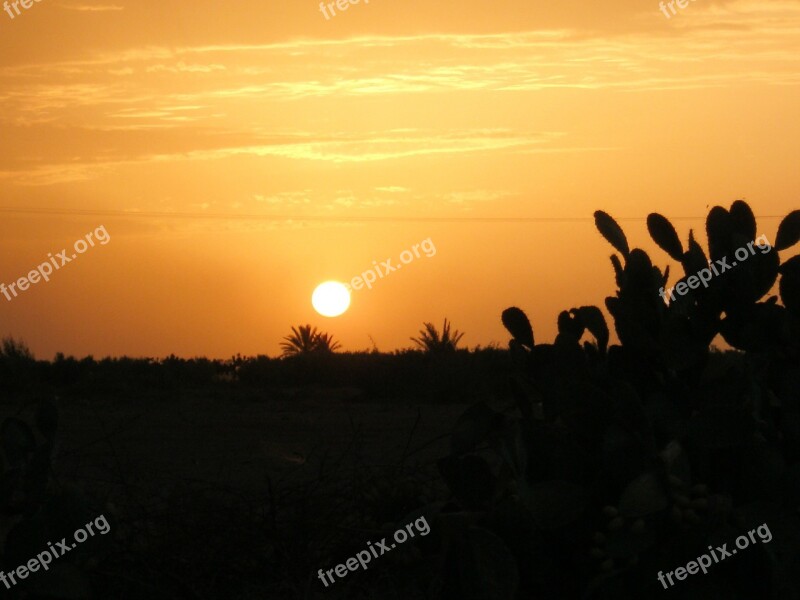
(330, 299)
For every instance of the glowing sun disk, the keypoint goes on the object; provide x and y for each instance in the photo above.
(330, 299)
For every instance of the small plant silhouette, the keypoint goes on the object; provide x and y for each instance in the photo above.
(15, 350)
(430, 340)
(307, 340)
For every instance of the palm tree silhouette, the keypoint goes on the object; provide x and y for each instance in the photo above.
(430, 340)
(306, 340)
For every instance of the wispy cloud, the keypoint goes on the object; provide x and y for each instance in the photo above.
(337, 149)
(91, 8)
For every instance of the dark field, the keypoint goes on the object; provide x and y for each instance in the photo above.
(204, 488)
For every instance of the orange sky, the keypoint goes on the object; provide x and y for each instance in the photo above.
(393, 109)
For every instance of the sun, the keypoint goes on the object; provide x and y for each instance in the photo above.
(330, 299)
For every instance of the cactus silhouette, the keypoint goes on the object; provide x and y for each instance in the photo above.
(788, 231)
(638, 446)
(519, 326)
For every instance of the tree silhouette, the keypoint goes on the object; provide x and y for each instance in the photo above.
(306, 340)
(430, 340)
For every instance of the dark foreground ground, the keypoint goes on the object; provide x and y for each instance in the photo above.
(551, 470)
(240, 493)
(227, 494)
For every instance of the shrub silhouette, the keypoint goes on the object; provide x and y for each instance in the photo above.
(17, 366)
(431, 341)
(15, 351)
(307, 340)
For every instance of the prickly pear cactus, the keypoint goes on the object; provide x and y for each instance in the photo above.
(622, 461)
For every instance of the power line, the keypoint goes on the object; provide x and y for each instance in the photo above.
(320, 218)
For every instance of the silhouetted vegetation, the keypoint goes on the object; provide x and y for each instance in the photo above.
(305, 340)
(432, 341)
(580, 469)
(617, 465)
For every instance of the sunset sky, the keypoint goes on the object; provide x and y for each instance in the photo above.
(495, 129)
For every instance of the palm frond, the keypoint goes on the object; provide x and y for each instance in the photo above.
(305, 339)
(431, 341)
